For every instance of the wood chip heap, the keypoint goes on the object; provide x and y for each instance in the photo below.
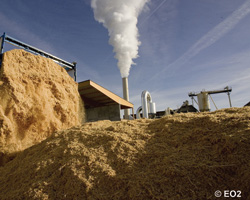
(185, 156)
(37, 97)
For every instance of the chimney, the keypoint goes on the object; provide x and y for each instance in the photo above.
(125, 95)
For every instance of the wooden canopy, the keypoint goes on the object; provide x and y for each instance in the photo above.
(95, 95)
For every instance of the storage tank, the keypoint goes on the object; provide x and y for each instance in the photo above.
(203, 101)
(152, 108)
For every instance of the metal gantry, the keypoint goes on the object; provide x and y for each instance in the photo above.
(6, 38)
(227, 90)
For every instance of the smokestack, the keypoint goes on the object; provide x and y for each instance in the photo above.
(120, 18)
(125, 95)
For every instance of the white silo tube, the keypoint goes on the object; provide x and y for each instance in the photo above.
(145, 100)
(152, 108)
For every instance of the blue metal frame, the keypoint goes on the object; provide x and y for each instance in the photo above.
(2, 43)
(67, 65)
(2, 38)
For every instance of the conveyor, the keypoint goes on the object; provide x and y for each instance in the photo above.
(203, 97)
(70, 67)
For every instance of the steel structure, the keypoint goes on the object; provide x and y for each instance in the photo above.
(70, 67)
(225, 90)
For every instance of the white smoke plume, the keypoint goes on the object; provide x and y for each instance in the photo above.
(120, 18)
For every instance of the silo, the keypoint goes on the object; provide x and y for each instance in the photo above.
(203, 101)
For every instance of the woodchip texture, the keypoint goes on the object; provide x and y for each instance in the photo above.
(185, 156)
(37, 97)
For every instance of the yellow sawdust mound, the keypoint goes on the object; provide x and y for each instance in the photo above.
(186, 156)
(37, 97)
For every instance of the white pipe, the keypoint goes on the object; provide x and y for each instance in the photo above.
(138, 115)
(145, 100)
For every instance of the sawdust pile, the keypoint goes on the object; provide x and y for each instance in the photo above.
(186, 156)
(37, 97)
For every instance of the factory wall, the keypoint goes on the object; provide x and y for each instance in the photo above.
(111, 112)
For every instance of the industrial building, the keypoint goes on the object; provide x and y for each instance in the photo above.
(100, 103)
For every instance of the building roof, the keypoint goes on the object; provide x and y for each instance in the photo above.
(248, 104)
(95, 95)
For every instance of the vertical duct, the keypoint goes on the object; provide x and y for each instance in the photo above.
(145, 100)
(148, 107)
(125, 95)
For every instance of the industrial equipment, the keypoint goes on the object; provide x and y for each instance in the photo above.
(203, 101)
(148, 107)
(185, 108)
(69, 67)
(125, 95)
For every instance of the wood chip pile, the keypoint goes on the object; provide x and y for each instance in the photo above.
(185, 156)
(37, 97)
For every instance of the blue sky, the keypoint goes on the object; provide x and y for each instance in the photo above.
(186, 46)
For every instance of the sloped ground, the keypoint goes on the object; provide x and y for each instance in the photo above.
(186, 156)
(37, 97)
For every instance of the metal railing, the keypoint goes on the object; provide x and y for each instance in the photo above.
(6, 38)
